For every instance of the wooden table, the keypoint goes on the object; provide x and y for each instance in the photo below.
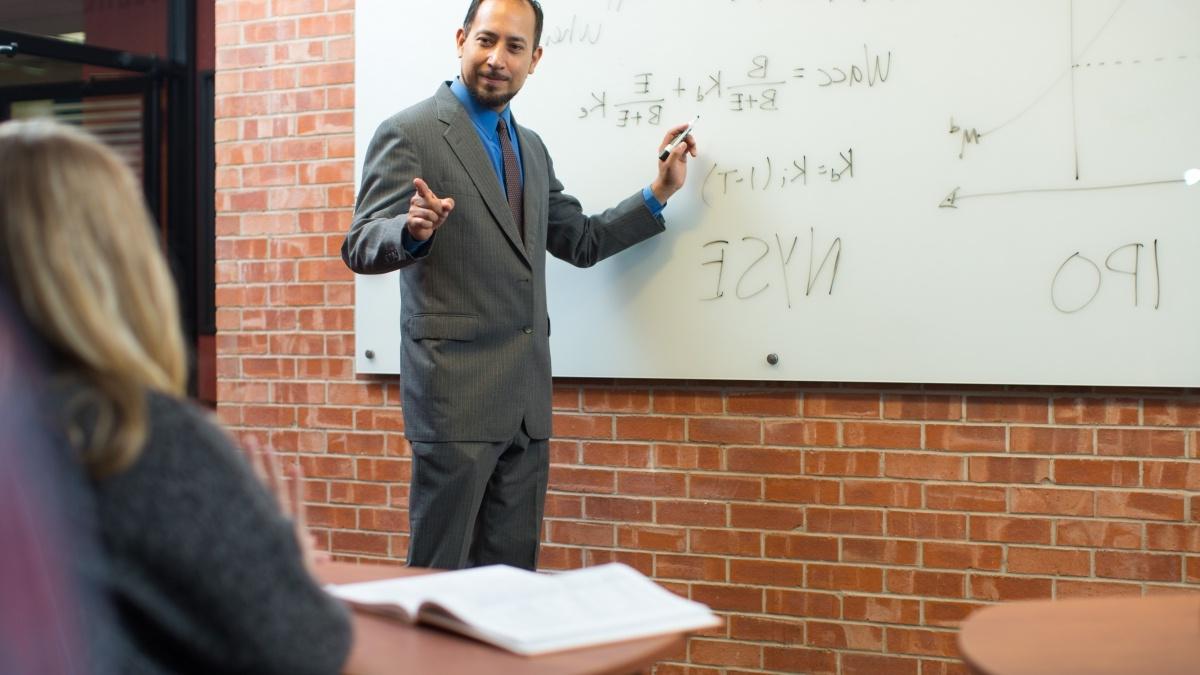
(392, 647)
(1101, 636)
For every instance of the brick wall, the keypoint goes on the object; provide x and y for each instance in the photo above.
(839, 529)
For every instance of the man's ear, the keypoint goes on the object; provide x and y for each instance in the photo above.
(537, 56)
(460, 38)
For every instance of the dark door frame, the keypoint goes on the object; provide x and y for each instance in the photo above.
(178, 157)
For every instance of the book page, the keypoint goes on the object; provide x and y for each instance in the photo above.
(402, 597)
(571, 609)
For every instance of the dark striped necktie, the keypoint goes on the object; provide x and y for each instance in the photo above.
(512, 178)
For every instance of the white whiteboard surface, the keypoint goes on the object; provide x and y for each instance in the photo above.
(1001, 258)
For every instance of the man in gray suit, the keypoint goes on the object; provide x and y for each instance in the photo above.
(465, 203)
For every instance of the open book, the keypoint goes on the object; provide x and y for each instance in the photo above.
(530, 613)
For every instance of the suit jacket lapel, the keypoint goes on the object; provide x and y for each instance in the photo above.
(464, 141)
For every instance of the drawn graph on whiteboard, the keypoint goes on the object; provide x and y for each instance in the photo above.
(1117, 77)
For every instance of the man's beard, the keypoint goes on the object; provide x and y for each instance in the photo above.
(491, 99)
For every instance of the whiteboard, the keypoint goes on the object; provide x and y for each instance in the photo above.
(959, 191)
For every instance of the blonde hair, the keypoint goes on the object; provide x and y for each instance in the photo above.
(79, 253)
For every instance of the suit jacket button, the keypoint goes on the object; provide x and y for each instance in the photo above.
(528, 330)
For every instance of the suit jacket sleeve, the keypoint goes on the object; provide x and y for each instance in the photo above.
(375, 244)
(585, 240)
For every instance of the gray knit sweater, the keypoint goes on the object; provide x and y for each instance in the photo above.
(205, 571)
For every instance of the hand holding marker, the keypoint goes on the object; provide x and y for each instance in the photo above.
(666, 152)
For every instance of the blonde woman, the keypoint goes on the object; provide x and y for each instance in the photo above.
(207, 573)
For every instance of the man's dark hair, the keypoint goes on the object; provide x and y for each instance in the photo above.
(537, 13)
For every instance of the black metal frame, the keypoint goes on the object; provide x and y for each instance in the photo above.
(177, 142)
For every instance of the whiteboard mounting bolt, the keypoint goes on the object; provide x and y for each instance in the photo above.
(370, 353)
(773, 358)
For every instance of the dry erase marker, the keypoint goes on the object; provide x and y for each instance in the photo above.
(666, 152)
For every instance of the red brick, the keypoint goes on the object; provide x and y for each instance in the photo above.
(383, 520)
(926, 583)
(841, 405)
(879, 609)
(582, 426)
(649, 428)
(921, 641)
(764, 460)
(965, 498)
(1139, 566)
(766, 573)
(695, 568)
(881, 435)
(845, 521)
(1172, 412)
(726, 542)
(922, 525)
(1049, 561)
(916, 407)
(1098, 534)
(687, 402)
(766, 517)
(1052, 440)
(652, 484)
(802, 547)
(1141, 505)
(1141, 442)
(696, 514)
(880, 551)
(623, 455)
(616, 400)
(672, 540)
(1122, 411)
(1066, 589)
(926, 466)
(882, 493)
(582, 480)
(947, 555)
(705, 457)
(344, 492)
(842, 463)
(844, 578)
(729, 598)
(871, 664)
(356, 444)
(580, 534)
(385, 470)
(1008, 409)
(763, 403)
(1099, 472)
(619, 509)
(1008, 470)
(800, 490)
(800, 433)
(1054, 501)
(1171, 475)
(963, 438)
(725, 653)
(757, 629)
(932, 667)
(724, 487)
(358, 542)
(798, 660)
(1011, 530)
(948, 614)
(1184, 538)
(997, 588)
(831, 635)
(723, 430)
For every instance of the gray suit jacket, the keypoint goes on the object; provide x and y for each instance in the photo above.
(475, 350)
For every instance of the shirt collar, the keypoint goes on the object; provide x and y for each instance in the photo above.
(484, 117)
